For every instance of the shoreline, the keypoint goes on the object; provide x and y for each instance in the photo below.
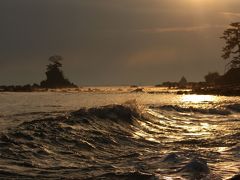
(218, 90)
(211, 90)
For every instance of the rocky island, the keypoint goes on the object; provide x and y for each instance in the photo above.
(55, 76)
(55, 79)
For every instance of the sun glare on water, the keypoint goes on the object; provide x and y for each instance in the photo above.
(198, 98)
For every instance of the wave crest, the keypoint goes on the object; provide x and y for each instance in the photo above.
(217, 111)
(112, 112)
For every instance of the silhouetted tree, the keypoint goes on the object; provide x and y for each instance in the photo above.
(211, 77)
(55, 77)
(55, 62)
(232, 47)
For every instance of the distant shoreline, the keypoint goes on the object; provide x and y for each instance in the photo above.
(212, 90)
(220, 91)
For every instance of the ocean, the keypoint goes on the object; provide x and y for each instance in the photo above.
(118, 133)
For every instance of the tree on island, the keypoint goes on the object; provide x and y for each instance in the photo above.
(55, 76)
(232, 47)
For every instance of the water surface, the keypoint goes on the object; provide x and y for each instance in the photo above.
(116, 134)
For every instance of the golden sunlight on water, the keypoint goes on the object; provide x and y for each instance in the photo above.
(198, 98)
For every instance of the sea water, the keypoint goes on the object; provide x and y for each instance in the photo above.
(115, 133)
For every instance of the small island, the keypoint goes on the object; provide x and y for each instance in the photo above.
(55, 79)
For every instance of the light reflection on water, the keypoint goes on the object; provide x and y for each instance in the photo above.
(198, 99)
(201, 120)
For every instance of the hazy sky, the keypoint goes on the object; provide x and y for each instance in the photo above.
(110, 42)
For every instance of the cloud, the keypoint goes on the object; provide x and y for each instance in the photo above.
(151, 57)
(181, 29)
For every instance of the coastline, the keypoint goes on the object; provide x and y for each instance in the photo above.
(218, 90)
(210, 90)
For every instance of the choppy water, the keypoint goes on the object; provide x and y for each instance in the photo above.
(118, 135)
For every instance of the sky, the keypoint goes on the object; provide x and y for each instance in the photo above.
(113, 42)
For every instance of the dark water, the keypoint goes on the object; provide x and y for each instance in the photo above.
(126, 141)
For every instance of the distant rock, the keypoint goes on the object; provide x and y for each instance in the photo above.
(137, 90)
(182, 83)
(20, 88)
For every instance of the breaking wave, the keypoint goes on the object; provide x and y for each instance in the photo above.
(82, 140)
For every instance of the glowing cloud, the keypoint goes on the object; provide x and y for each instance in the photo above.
(182, 29)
